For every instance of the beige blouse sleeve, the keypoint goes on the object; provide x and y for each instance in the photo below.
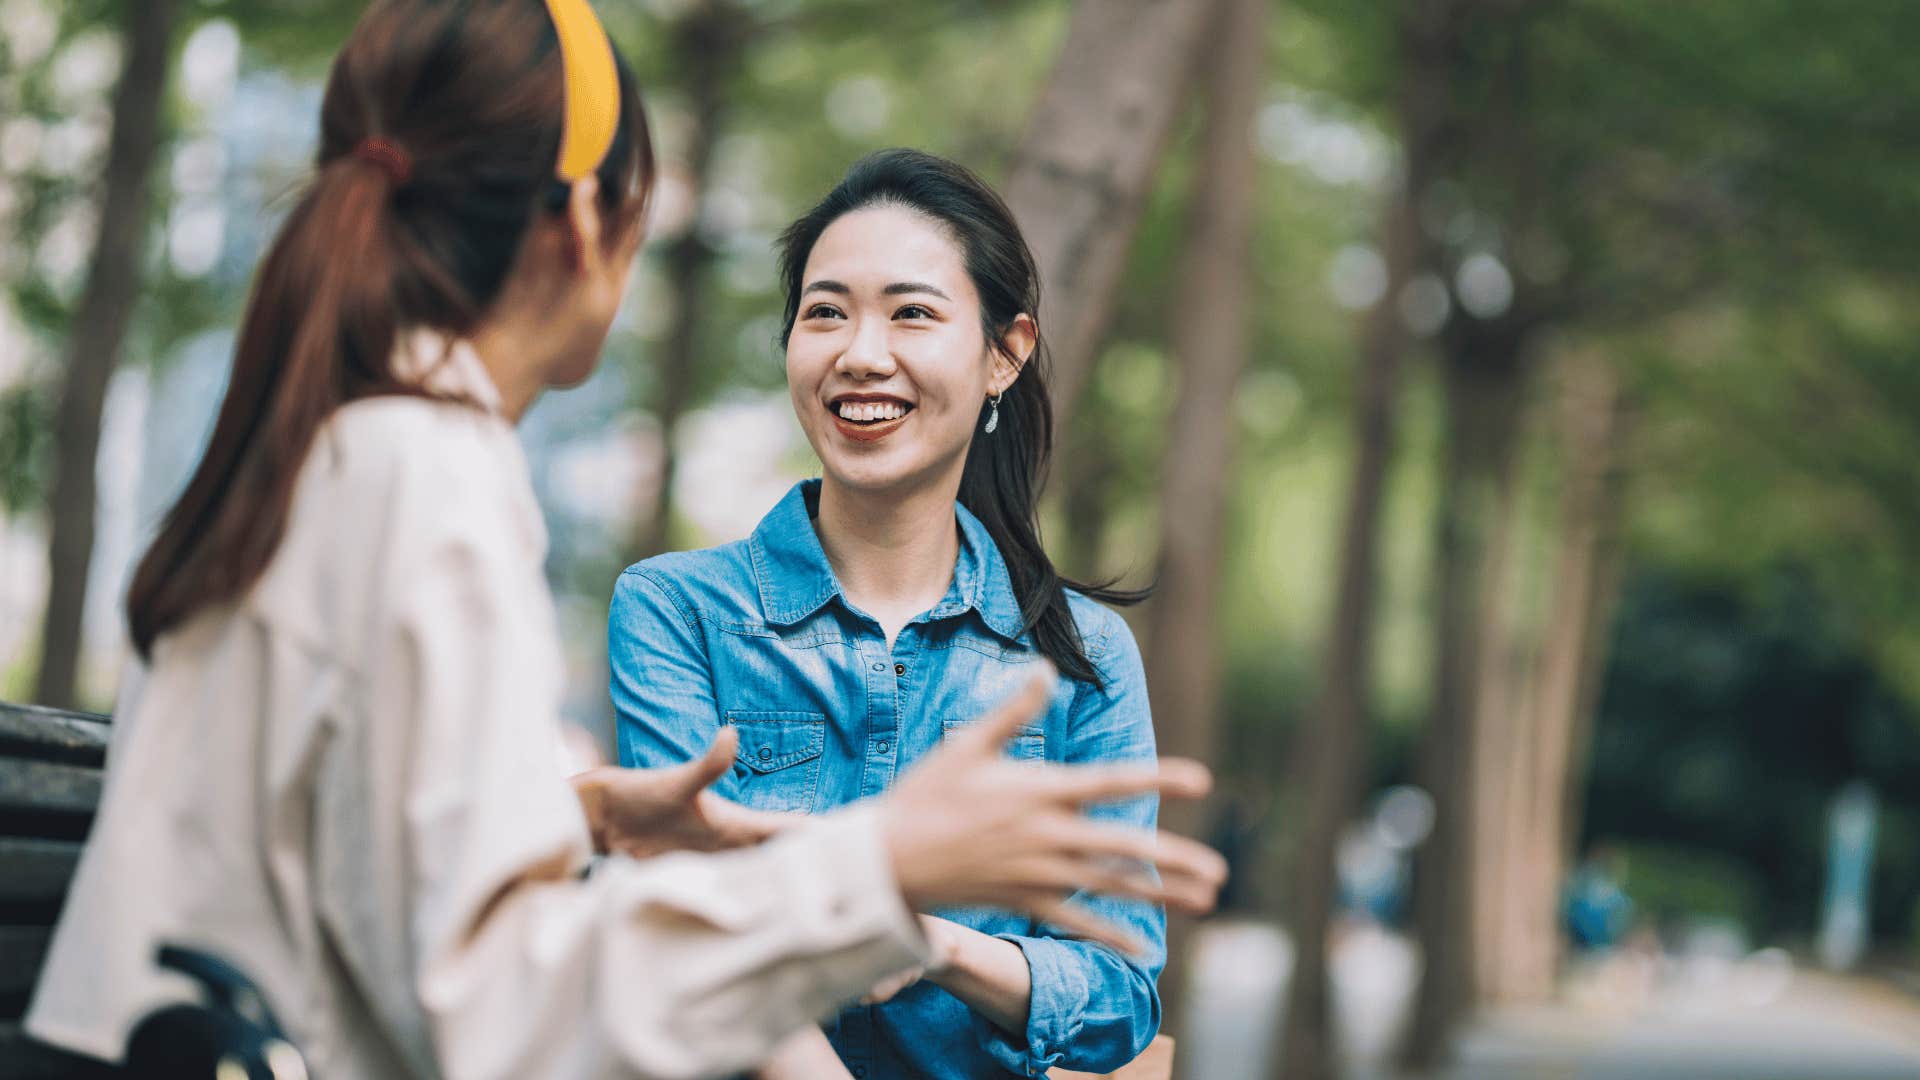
(679, 966)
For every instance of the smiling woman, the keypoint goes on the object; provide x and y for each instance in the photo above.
(891, 354)
(877, 609)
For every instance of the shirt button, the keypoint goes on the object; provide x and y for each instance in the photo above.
(859, 1072)
(899, 669)
(884, 747)
(766, 753)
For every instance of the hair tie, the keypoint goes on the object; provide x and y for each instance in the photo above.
(388, 155)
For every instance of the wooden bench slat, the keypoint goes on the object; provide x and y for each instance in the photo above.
(30, 731)
(23, 1059)
(35, 870)
(50, 784)
(23, 950)
(40, 788)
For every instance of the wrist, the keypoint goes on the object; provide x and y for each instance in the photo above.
(946, 945)
(900, 857)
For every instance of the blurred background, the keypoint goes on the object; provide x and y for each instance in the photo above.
(1515, 402)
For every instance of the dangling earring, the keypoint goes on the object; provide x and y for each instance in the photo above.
(993, 418)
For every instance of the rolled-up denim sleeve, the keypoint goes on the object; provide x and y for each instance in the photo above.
(661, 681)
(1093, 1009)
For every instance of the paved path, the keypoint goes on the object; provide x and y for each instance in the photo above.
(1815, 1028)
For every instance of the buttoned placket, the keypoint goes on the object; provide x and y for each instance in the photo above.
(887, 672)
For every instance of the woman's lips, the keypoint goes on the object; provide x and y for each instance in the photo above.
(872, 432)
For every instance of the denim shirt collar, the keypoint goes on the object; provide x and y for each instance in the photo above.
(795, 580)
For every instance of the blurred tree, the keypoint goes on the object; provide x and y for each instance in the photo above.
(1582, 199)
(1540, 689)
(99, 329)
(709, 42)
(1329, 751)
(1081, 173)
(1211, 332)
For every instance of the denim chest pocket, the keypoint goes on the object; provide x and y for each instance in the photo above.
(1028, 744)
(778, 764)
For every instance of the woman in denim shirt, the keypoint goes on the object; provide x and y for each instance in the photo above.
(874, 610)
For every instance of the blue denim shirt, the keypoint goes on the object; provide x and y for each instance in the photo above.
(757, 634)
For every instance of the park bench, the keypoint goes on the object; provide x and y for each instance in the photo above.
(50, 767)
(50, 775)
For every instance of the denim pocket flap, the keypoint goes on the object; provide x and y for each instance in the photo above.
(1029, 743)
(775, 740)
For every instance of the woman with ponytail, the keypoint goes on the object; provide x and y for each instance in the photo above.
(341, 774)
(877, 609)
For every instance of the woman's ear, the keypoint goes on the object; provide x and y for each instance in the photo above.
(583, 222)
(1015, 348)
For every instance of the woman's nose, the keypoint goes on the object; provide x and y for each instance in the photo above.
(867, 355)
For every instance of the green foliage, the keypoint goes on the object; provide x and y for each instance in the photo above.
(1731, 713)
(1671, 886)
(26, 424)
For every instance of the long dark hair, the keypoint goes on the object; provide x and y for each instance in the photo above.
(1005, 470)
(470, 92)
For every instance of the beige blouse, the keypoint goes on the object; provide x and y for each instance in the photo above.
(343, 782)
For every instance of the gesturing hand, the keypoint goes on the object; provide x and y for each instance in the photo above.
(969, 826)
(642, 812)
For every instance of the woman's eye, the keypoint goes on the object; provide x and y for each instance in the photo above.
(824, 311)
(913, 311)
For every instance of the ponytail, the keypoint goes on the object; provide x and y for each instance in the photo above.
(439, 130)
(316, 334)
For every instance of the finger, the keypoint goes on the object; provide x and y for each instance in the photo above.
(988, 737)
(1179, 892)
(1161, 867)
(1068, 874)
(1185, 778)
(1177, 778)
(1193, 874)
(697, 774)
(739, 826)
(1171, 852)
(1081, 923)
(1086, 838)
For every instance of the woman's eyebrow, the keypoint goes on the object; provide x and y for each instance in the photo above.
(828, 285)
(901, 288)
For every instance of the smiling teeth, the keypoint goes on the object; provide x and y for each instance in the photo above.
(867, 411)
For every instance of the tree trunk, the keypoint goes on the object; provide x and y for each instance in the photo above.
(1503, 735)
(1481, 376)
(1329, 753)
(1089, 482)
(1594, 426)
(711, 39)
(1081, 173)
(99, 329)
(1211, 338)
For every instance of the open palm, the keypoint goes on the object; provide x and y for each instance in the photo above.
(643, 812)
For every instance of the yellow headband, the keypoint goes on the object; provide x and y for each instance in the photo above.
(592, 88)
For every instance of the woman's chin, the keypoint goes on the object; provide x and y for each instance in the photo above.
(577, 365)
(875, 475)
